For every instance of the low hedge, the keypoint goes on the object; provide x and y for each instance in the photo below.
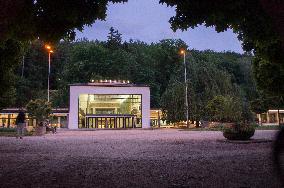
(239, 132)
(7, 130)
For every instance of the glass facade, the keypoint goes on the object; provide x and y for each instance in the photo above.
(8, 120)
(272, 118)
(58, 121)
(264, 118)
(109, 111)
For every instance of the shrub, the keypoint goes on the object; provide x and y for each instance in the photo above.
(39, 109)
(224, 109)
(239, 132)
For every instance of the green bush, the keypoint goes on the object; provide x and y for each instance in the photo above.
(39, 109)
(7, 130)
(224, 109)
(239, 132)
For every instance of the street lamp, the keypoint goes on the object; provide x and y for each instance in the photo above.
(183, 52)
(50, 51)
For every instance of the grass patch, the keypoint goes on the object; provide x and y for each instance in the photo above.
(204, 129)
(8, 134)
(221, 128)
(12, 132)
(269, 127)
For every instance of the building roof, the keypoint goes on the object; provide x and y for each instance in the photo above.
(109, 84)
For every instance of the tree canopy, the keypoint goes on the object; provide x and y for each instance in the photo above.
(210, 74)
(49, 20)
(23, 21)
(258, 23)
(9, 58)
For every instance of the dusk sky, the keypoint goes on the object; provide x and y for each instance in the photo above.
(147, 20)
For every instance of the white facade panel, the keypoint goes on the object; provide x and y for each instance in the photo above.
(76, 91)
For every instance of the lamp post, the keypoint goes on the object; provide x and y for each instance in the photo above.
(183, 52)
(49, 59)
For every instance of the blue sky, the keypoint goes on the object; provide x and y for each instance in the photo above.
(147, 20)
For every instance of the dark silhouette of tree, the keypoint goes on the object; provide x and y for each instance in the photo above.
(47, 19)
(114, 39)
(258, 23)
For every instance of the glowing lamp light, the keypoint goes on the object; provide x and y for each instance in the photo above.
(48, 47)
(182, 51)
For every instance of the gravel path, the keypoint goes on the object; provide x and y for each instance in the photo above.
(135, 158)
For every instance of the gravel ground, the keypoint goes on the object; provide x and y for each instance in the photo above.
(135, 158)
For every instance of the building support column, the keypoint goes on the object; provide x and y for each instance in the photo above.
(59, 121)
(259, 119)
(277, 118)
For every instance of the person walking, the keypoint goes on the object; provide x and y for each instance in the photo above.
(20, 122)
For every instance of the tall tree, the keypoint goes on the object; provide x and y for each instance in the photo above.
(114, 39)
(9, 55)
(172, 102)
(258, 23)
(209, 74)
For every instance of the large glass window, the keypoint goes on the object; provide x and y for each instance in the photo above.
(272, 118)
(281, 118)
(264, 118)
(9, 120)
(109, 111)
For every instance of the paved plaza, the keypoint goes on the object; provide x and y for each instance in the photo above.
(136, 158)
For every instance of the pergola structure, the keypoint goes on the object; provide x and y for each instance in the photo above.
(271, 117)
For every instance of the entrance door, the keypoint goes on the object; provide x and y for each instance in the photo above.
(110, 122)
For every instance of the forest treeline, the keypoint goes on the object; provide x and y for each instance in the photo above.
(159, 65)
